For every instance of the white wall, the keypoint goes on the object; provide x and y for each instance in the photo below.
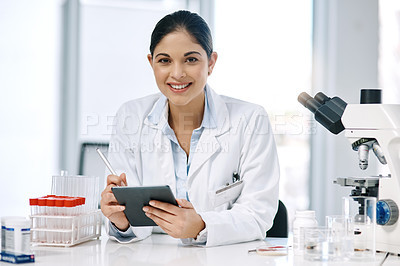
(29, 84)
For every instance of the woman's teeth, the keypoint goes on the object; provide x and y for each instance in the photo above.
(179, 87)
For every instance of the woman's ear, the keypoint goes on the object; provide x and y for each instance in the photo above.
(150, 58)
(211, 62)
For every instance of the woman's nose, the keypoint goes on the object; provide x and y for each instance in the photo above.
(178, 71)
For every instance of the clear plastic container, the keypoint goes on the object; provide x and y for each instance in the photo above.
(78, 186)
(303, 219)
(75, 234)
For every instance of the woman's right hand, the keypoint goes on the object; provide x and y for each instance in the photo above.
(109, 204)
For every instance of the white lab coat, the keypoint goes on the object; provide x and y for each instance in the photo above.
(242, 142)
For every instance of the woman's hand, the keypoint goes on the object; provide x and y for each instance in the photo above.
(109, 204)
(178, 222)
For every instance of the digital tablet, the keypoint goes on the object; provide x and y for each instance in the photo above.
(135, 198)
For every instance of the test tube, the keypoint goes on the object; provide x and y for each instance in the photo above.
(34, 206)
(34, 210)
(83, 218)
(75, 210)
(50, 203)
(59, 221)
(42, 220)
(68, 204)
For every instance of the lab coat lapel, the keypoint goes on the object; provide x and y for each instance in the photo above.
(208, 143)
(206, 147)
(163, 158)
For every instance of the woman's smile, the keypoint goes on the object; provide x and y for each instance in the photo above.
(179, 87)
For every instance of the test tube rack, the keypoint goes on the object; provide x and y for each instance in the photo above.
(65, 231)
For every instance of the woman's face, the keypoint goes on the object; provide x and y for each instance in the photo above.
(181, 68)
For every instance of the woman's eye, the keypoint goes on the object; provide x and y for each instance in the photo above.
(163, 61)
(191, 60)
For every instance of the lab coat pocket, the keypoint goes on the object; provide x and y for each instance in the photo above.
(227, 193)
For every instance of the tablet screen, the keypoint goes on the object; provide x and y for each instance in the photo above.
(135, 198)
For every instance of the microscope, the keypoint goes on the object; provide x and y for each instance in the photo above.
(368, 126)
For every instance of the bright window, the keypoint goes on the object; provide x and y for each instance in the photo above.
(265, 55)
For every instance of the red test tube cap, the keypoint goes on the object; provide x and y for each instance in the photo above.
(42, 201)
(33, 202)
(69, 203)
(51, 202)
(81, 200)
(59, 202)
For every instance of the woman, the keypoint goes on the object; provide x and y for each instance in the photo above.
(194, 140)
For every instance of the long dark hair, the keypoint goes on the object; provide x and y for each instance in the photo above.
(183, 20)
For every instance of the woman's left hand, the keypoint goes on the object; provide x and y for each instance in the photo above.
(178, 222)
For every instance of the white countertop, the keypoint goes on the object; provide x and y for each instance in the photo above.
(164, 250)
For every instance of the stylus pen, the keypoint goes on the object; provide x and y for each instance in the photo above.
(106, 161)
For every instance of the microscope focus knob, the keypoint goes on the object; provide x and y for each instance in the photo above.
(387, 212)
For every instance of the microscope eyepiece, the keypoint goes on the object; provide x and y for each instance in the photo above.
(308, 102)
(321, 98)
(328, 111)
(303, 98)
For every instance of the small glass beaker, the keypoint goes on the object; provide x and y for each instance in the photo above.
(320, 244)
(362, 210)
(342, 228)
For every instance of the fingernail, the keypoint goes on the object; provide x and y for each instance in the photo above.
(146, 209)
(122, 208)
(151, 203)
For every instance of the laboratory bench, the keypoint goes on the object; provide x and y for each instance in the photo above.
(161, 249)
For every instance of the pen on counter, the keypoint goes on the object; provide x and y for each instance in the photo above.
(107, 163)
(267, 248)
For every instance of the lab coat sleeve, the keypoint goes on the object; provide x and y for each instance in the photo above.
(254, 210)
(121, 155)
(201, 239)
(122, 237)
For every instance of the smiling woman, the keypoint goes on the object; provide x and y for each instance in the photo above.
(181, 67)
(215, 152)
